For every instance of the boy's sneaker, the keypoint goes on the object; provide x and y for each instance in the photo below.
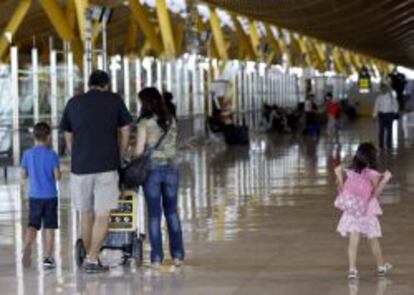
(94, 267)
(49, 262)
(353, 274)
(384, 270)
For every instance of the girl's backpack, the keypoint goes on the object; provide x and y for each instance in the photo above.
(356, 193)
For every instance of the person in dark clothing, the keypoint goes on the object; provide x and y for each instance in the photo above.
(96, 127)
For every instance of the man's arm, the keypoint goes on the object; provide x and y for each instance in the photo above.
(68, 140)
(123, 140)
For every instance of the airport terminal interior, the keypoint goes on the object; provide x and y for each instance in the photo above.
(271, 97)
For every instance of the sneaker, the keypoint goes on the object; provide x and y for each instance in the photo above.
(384, 270)
(353, 274)
(177, 262)
(49, 262)
(94, 267)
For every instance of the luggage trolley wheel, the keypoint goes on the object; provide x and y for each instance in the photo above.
(136, 248)
(80, 252)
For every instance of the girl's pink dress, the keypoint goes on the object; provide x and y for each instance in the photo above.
(368, 224)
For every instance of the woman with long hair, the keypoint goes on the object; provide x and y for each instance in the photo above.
(161, 186)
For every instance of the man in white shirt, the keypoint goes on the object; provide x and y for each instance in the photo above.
(385, 109)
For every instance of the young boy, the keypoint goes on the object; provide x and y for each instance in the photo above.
(41, 165)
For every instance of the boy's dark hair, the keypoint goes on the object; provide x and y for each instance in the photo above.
(365, 157)
(41, 131)
(98, 78)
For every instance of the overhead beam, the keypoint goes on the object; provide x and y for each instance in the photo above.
(179, 32)
(277, 47)
(142, 18)
(254, 37)
(218, 35)
(81, 6)
(71, 13)
(245, 43)
(131, 36)
(62, 27)
(14, 23)
(167, 35)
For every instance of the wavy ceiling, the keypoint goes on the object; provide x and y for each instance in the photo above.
(379, 28)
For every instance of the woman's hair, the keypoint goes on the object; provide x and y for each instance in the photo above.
(153, 104)
(365, 157)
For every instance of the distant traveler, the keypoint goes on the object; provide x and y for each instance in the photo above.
(385, 109)
(157, 125)
(41, 165)
(96, 126)
(358, 200)
(333, 111)
(312, 125)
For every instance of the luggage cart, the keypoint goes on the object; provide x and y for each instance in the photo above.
(124, 232)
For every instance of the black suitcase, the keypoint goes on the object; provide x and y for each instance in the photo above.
(236, 135)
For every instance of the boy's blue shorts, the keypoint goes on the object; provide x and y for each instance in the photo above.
(43, 212)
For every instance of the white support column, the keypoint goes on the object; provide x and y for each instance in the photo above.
(85, 73)
(70, 76)
(54, 99)
(14, 79)
(159, 75)
(114, 79)
(186, 94)
(138, 81)
(100, 61)
(148, 70)
(178, 86)
(127, 85)
(169, 75)
(35, 81)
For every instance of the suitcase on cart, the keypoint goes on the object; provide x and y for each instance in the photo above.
(125, 231)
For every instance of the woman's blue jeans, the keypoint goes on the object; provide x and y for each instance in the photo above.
(161, 194)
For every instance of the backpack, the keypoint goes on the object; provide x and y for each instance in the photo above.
(355, 194)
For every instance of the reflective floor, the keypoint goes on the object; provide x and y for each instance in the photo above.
(255, 222)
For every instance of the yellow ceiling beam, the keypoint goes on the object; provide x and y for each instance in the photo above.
(300, 44)
(179, 32)
(320, 53)
(254, 37)
(131, 36)
(167, 35)
(62, 27)
(71, 13)
(81, 6)
(142, 18)
(218, 35)
(276, 44)
(336, 58)
(246, 46)
(14, 23)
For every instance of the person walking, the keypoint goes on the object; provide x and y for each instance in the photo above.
(157, 125)
(385, 110)
(358, 200)
(41, 165)
(96, 127)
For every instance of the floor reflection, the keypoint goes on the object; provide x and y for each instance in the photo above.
(261, 216)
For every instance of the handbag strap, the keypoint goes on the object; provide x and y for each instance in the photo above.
(160, 140)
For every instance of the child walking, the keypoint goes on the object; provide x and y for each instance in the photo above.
(41, 165)
(358, 199)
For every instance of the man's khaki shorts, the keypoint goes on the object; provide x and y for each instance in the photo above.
(96, 192)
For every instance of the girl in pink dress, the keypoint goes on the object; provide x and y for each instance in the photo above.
(365, 183)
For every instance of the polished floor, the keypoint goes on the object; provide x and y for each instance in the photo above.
(255, 221)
